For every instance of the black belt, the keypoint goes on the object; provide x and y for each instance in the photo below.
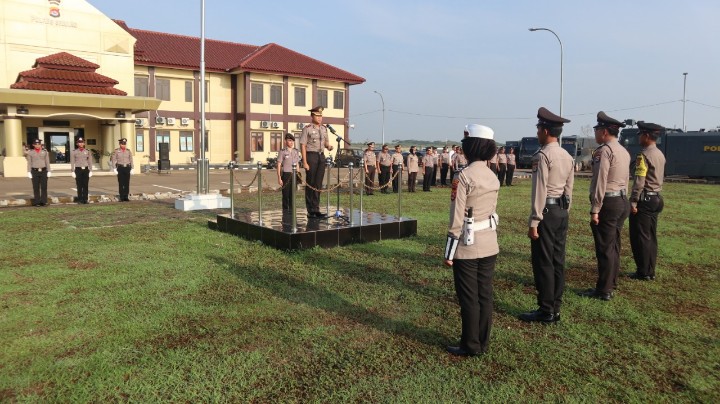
(652, 193)
(318, 152)
(81, 168)
(38, 169)
(122, 165)
(552, 201)
(614, 193)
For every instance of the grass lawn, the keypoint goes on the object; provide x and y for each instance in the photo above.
(140, 302)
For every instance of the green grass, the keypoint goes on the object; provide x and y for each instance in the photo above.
(140, 302)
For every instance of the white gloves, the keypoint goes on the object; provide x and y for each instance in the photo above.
(132, 171)
(49, 174)
(29, 175)
(90, 174)
(115, 171)
(72, 174)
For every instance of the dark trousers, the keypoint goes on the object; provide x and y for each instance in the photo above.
(123, 182)
(384, 178)
(502, 170)
(473, 286)
(82, 181)
(287, 190)
(315, 176)
(412, 180)
(427, 175)
(643, 234)
(433, 181)
(509, 174)
(397, 177)
(607, 241)
(443, 173)
(370, 180)
(39, 183)
(494, 168)
(548, 259)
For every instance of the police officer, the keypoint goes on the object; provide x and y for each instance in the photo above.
(444, 161)
(646, 202)
(428, 169)
(412, 167)
(287, 156)
(384, 163)
(493, 164)
(433, 181)
(370, 162)
(510, 167)
(502, 165)
(38, 168)
(397, 165)
(313, 142)
(552, 187)
(459, 161)
(122, 161)
(471, 248)
(81, 169)
(609, 206)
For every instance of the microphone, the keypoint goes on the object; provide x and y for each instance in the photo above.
(330, 128)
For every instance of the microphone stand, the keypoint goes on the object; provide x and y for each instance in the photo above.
(338, 139)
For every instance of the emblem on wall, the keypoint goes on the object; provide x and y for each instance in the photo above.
(54, 8)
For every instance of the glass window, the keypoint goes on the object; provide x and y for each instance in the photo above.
(188, 91)
(338, 99)
(256, 93)
(323, 98)
(276, 141)
(162, 136)
(139, 142)
(162, 89)
(141, 86)
(275, 95)
(256, 141)
(299, 96)
(186, 141)
(207, 90)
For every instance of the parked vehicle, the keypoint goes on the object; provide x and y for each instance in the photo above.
(346, 156)
(528, 147)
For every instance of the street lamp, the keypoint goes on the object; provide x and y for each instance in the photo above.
(684, 87)
(383, 116)
(561, 63)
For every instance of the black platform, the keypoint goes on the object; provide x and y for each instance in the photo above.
(276, 229)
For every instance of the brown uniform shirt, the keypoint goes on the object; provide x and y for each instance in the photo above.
(502, 158)
(412, 163)
(445, 158)
(369, 157)
(475, 187)
(427, 161)
(385, 159)
(39, 159)
(314, 138)
(611, 170)
(649, 172)
(459, 161)
(80, 158)
(552, 176)
(511, 159)
(123, 158)
(287, 157)
(397, 159)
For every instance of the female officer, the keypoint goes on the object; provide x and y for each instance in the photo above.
(472, 249)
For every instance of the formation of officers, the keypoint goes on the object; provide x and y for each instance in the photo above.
(472, 248)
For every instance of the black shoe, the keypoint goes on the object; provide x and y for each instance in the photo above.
(460, 351)
(556, 318)
(595, 294)
(539, 316)
(640, 277)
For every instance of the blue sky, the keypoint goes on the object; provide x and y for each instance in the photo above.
(440, 65)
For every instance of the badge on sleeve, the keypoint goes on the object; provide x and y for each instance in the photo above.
(534, 165)
(641, 167)
(453, 193)
(596, 155)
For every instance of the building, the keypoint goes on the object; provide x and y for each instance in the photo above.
(67, 70)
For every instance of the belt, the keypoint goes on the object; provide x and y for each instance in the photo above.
(122, 165)
(318, 152)
(614, 193)
(552, 201)
(38, 169)
(492, 222)
(652, 193)
(82, 168)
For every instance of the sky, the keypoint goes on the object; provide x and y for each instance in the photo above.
(440, 65)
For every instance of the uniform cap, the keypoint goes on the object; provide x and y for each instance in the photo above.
(78, 140)
(428, 148)
(548, 119)
(122, 141)
(480, 131)
(37, 141)
(371, 144)
(317, 111)
(604, 121)
(649, 127)
(289, 136)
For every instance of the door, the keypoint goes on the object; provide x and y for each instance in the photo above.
(58, 144)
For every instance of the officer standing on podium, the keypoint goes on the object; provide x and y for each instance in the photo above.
(313, 142)
(122, 163)
(609, 205)
(552, 186)
(646, 202)
(81, 169)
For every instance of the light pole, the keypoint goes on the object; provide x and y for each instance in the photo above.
(561, 63)
(684, 87)
(383, 121)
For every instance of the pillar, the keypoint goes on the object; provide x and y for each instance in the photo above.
(14, 163)
(108, 144)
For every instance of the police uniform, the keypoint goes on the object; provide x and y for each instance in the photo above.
(370, 166)
(502, 166)
(459, 162)
(412, 167)
(493, 164)
(552, 186)
(314, 139)
(647, 203)
(38, 168)
(397, 163)
(286, 158)
(81, 161)
(122, 161)
(474, 195)
(428, 167)
(444, 166)
(385, 163)
(608, 199)
(510, 168)
(433, 181)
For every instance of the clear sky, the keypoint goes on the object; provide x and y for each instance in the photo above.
(442, 64)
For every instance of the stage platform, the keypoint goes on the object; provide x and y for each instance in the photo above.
(276, 229)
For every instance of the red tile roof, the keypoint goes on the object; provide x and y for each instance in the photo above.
(183, 52)
(66, 61)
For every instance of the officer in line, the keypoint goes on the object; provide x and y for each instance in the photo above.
(552, 186)
(384, 164)
(397, 165)
(459, 161)
(444, 166)
(502, 165)
(433, 180)
(609, 205)
(370, 168)
(646, 202)
(38, 169)
(313, 142)
(287, 156)
(493, 164)
(412, 167)
(472, 248)
(428, 169)
(122, 161)
(81, 161)
(510, 167)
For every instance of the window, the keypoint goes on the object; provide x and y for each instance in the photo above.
(338, 99)
(275, 95)
(141, 86)
(139, 142)
(207, 90)
(162, 136)
(323, 98)
(207, 140)
(188, 91)
(256, 93)
(162, 89)
(299, 96)
(256, 141)
(186, 141)
(276, 141)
